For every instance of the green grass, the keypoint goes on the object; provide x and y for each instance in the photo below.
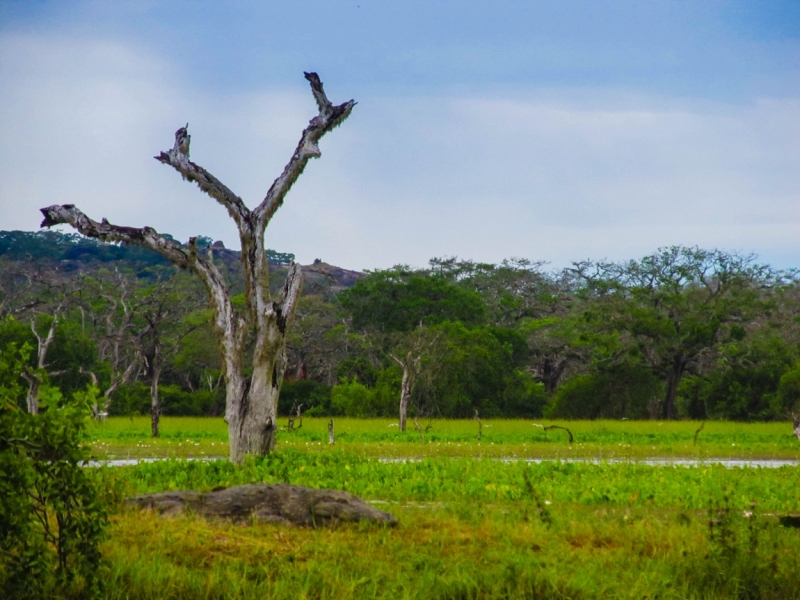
(471, 529)
(470, 526)
(497, 551)
(203, 437)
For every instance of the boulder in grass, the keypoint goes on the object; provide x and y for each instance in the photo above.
(266, 502)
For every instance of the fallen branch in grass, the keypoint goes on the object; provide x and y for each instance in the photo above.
(569, 433)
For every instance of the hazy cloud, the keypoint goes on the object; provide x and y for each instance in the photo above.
(557, 174)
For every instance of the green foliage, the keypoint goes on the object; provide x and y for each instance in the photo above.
(313, 395)
(353, 399)
(134, 399)
(622, 391)
(70, 351)
(51, 520)
(745, 383)
(675, 306)
(397, 300)
(74, 248)
(486, 480)
(789, 390)
(476, 369)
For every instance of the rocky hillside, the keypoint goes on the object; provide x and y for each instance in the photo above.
(69, 252)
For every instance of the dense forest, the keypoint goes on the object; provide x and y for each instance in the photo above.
(684, 332)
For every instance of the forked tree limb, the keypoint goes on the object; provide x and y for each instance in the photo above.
(285, 306)
(178, 158)
(330, 116)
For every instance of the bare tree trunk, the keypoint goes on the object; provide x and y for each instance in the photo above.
(151, 353)
(673, 380)
(117, 380)
(796, 424)
(331, 437)
(155, 401)
(43, 345)
(405, 396)
(251, 341)
(552, 371)
(409, 366)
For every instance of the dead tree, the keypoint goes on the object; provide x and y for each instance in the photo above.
(477, 418)
(420, 429)
(252, 341)
(422, 344)
(410, 366)
(43, 343)
(290, 426)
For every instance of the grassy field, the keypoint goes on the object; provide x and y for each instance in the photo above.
(207, 437)
(470, 526)
(470, 529)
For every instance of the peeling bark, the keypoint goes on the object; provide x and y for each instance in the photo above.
(252, 342)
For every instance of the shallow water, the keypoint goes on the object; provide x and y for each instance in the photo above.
(655, 462)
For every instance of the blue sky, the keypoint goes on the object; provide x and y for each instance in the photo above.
(554, 131)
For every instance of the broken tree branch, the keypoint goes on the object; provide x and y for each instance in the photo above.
(178, 158)
(106, 232)
(699, 429)
(569, 433)
(329, 117)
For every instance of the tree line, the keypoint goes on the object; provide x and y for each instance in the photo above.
(681, 333)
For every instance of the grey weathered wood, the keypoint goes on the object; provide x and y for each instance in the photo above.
(410, 366)
(273, 503)
(252, 341)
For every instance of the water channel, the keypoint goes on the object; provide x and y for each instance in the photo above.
(730, 463)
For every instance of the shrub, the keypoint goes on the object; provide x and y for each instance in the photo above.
(51, 520)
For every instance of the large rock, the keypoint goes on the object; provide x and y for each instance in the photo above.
(266, 502)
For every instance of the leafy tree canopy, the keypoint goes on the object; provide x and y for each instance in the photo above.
(399, 300)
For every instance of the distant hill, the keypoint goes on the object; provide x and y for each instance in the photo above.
(71, 251)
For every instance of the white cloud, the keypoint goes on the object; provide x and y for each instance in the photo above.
(555, 174)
